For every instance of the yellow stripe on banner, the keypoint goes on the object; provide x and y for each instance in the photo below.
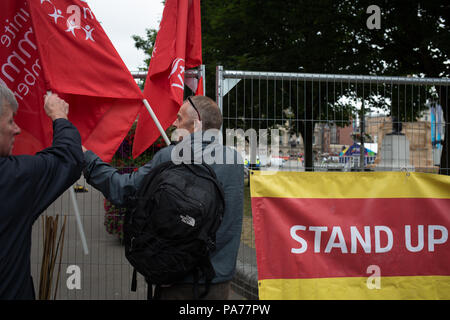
(288, 184)
(355, 288)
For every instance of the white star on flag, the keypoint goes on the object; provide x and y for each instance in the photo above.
(56, 15)
(71, 27)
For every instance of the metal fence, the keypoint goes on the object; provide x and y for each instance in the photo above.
(321, 122)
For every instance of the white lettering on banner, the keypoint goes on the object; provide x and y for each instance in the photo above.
(355, 235)
(388, 232)
(432, 240)
(20, 70)
(340, 244)
(302, 241)
(383, 238)
(317, 236)
(420, 241)
(14, 26)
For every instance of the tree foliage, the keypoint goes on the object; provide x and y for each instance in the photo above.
(325, 36)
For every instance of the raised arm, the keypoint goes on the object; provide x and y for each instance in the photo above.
(116, 187)
(56, 168)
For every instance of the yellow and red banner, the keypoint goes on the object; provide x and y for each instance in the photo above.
(353, 235)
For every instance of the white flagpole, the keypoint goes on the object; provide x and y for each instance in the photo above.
(155, 119)
(77, 216)
(79, 223)
(153, 115)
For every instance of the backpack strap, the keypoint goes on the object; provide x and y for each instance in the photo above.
(208, 273)
(195, 284)
(134, 280)
(150, 295)
(157, 294)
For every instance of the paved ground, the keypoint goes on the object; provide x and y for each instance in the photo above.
(105, 272)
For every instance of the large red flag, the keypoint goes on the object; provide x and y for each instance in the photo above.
(178, 47)
(59, 45)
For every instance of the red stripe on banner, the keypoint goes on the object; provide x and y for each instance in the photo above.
(288, 231)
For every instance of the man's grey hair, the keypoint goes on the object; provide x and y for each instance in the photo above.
(7, 98)
(209, 112)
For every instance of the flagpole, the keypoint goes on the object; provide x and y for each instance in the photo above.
(77, 215)
(79, 223)
(155, 119)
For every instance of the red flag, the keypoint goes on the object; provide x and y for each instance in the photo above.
(59, 45)
(200, 91)
(196, 85)
(178, 47)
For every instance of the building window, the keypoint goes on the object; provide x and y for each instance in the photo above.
(334, 135)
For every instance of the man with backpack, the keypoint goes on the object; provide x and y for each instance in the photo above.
(196, 119)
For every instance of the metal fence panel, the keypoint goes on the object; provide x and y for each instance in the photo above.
(322, 120)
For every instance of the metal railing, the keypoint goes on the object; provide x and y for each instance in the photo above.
(323, 119)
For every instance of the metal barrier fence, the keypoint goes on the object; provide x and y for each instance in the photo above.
(321, 121)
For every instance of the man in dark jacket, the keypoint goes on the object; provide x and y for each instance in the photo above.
(196, 117)
(28, 185)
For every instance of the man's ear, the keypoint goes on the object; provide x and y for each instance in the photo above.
(198, 125)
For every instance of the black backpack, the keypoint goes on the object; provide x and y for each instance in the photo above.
(171, 231)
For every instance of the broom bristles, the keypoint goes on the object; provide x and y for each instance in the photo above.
(49, 256)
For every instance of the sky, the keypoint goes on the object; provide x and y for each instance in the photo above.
(123, 18)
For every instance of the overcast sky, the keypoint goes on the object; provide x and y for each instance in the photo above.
(123, 18)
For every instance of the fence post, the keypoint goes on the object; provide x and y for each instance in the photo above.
(362, 149)
(219, 90)
(202, 71)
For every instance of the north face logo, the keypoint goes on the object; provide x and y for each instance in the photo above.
(188, 220)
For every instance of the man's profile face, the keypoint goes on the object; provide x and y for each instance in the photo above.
(8, 130)
(185, 118)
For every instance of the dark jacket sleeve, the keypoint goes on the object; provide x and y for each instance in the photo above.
(56, 168)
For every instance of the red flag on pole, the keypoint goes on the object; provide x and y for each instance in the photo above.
(178, 47)
(59, 45)
(200, 91)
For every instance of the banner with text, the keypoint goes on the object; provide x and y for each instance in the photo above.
(372, 235)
